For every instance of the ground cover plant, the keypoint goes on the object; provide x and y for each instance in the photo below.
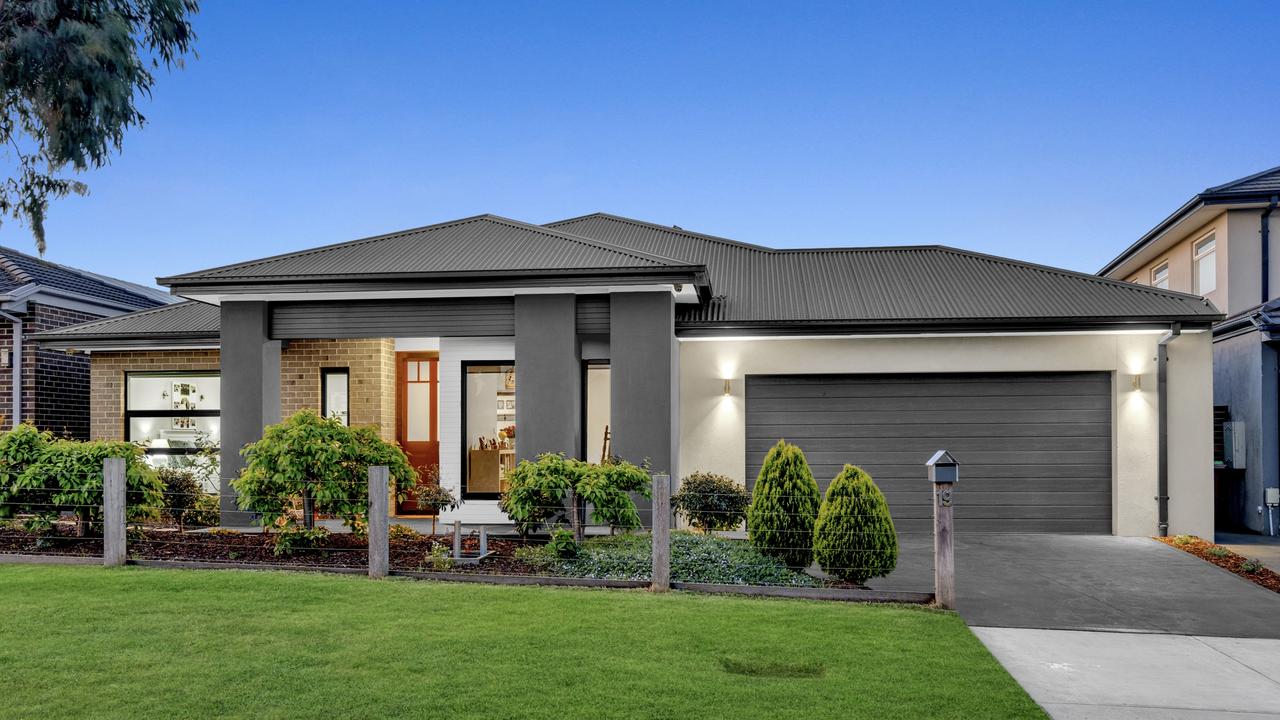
(694, 558)
(270, 645)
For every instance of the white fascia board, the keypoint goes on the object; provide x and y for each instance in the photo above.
(684, 293)
(891, 336)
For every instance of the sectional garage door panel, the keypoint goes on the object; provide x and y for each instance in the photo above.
(1035, 448)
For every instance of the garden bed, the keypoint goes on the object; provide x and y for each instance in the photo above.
(1250, 570)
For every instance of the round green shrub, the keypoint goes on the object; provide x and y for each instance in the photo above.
(854, 538)
(709, 501)
(784, 506)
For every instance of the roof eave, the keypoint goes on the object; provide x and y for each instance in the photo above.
(933, 325)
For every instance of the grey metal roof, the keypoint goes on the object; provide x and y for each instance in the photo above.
(481, 245)
(929, 285)
(188, 320)
(18, 270)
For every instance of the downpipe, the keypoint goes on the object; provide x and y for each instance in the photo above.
(1265, 231)
(1162, 400)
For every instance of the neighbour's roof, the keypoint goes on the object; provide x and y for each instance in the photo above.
(18, 270)
(804, 289)
(474, 246)
(183, 321)
(1256, 189)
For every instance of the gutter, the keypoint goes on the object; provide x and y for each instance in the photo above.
(1162, 399)
(16, 366)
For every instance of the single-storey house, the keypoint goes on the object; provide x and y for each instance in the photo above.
(1074, 403)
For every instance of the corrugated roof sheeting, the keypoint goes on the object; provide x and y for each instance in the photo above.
(758, 285)
(186, 318)
(481, 244)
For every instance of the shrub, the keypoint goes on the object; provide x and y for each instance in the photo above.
(19, 448)
(308, 455)
(711, 502)
(66, 476)
(854, 538)
(440, 557)
(1183, 539)
(1251, 565)
(181, 492)
(292, 538)
(556, 489)
(206, 511)
(784, 506)
(1218, 551)
(401, 532)
(563, 545)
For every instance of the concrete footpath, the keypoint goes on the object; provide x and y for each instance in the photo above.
(1076, 674)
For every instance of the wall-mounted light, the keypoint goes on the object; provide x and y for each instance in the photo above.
(1136, 383)
(728, 387)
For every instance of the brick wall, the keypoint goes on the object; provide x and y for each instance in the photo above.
(371, 364)
(55, 385)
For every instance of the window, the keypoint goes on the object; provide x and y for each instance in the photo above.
(489, 418)
(172, 415)
(335, 396)
(1160, 276)
(596, 400)
(1204, 265)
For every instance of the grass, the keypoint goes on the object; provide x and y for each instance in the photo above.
(143, 643)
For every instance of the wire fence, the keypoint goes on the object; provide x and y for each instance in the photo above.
(774, 547)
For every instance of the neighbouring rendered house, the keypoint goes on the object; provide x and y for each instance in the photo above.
(1219, 244)
(479, 342)
(47, 388)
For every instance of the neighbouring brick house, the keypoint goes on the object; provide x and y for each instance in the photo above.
(38, 296)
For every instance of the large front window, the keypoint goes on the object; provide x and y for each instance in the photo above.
(173, 415)
(489, 416)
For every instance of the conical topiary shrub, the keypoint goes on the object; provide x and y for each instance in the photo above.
(784, 506)
(854, 538)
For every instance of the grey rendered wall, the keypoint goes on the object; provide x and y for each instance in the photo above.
(250, 362)
(548, 375)
(1245, 380)
(644, 383)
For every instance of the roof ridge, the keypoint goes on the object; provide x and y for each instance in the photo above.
(582, 239)
(1075, 274)
(666, 228)
(1238, 181)
(17, 273)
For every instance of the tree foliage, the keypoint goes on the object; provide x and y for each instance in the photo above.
(784, 506)
(556, 489)
(854, 538)
(71, 75)
(711, 502)
(309, 455)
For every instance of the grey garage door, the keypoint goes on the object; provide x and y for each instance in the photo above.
(1034, 448)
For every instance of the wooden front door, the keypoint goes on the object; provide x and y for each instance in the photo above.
(417, 417)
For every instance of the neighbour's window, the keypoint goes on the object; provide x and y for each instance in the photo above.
(173, 415)
(596, 413)
(335, 398)
(1205, 265)
(1160, 276)
(489, 416)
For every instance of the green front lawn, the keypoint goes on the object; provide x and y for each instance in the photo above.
(92, 642)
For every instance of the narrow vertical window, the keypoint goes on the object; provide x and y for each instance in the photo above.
(1205, 265)
(1160, 276)
(596, 432)
(489, 416)
(335, 399)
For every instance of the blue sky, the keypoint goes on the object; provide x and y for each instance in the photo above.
(1056, 133)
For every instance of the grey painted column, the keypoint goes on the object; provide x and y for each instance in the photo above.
(250, 362)
(644, 379)
(548, 376)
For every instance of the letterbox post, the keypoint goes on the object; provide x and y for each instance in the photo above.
(944, 472)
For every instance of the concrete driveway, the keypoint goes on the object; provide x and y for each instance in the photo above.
(1085, 582)
(1107, 627)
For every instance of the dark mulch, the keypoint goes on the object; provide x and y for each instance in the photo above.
(1230, 561)
(339, 549)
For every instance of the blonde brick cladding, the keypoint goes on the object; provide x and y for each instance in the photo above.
(371, 364)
